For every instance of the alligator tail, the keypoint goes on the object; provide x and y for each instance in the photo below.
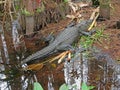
(45, 51)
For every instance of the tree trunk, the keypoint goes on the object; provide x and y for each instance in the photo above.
(105, 9)
(29, 24)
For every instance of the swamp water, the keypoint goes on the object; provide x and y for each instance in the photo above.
(98, 70)
(3, 85)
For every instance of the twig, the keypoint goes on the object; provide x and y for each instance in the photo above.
(94, 17)
(94, 12)
(94, 21)
(59, 56)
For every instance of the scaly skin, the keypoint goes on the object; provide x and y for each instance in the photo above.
(66, 37)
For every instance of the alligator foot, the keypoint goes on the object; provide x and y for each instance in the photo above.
(88, 33)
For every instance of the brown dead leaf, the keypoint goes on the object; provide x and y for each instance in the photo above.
(35, 67)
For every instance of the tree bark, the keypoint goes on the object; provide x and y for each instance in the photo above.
(105, 9)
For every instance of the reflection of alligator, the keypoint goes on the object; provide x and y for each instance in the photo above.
(62, 41)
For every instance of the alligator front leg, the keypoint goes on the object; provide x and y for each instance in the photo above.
(88, 33)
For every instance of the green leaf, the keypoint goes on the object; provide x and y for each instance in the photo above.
(84, 86)
(25, 12)
(39, 10)
(37, 86)
(91, 87)
(17, 7)
(65, 1)
(64, 87)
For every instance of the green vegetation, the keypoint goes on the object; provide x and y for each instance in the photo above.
(40, 9)
(64, 86)
(25, 12)
(87, 41)
(65, 1)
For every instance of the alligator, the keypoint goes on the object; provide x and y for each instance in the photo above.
(62, 41)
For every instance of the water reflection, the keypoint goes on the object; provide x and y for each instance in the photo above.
(50, 82)
(76, 71)
(116, 78)
(15, 34)
(4, 45)
(10, 72)
(97, 69)
(3, 85)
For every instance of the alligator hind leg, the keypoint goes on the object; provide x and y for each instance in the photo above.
(49, 39)
(65, 47)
